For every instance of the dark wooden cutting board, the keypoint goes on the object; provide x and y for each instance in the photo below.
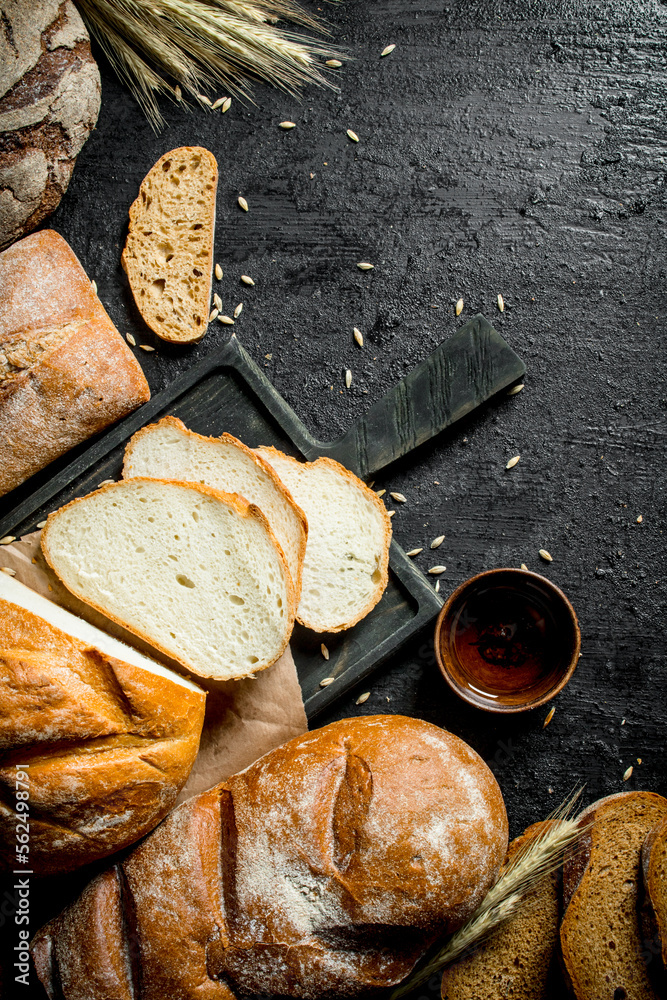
(228, 392)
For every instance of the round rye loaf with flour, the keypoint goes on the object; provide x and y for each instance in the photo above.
(49, 103)
(324, 869)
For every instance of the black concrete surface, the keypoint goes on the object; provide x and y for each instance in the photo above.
(510, 147)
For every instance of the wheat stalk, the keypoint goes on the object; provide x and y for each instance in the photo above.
(155, 45)
(536, 860)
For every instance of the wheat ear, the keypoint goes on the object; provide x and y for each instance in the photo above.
(189, 46)
(536, 860)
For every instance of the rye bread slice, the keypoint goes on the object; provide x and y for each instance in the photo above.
(168, 255)
(601, 937)
(519, 962)
(654, 910)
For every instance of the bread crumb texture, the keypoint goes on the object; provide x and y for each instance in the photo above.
(195, 572)
(168, 255)
(601, 936)
(519, 961)
(324, 869)
(168, 450)
(345, 570)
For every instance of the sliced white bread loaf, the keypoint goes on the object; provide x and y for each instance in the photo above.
(17, 593)
(195, 572)
(168, 450)
(168, 255)
(345, 570)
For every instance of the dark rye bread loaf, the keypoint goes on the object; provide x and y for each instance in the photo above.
(49, 102)
(324, 869)
(519, 961)
(601, 941)
(654, 871)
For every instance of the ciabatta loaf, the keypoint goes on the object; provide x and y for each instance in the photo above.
(600, 935)
(325, 869)
(168, 450)
(105, 736)
(345, 570)
(519, 960)
(195, 572)
(168, 255)
(65, 371)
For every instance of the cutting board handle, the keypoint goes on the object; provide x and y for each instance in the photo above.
(462, 372)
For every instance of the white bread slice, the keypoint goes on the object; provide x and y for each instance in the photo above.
(195, 572)
(345, 571)
(168, 450)
(168, 255)
(16, 593)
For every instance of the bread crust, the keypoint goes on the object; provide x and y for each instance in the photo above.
(234, 500)
(324, 869)
(87, 380)
(171, 421)
(456, 978)
(387, 532)
(655, 890)
(108, 745)
(575, 868)
(138, 211)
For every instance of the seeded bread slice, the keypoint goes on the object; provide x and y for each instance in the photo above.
(168, 450)
(654, 870)
(519, 962)
(345, 570)
(195, 572)
(600, 935)
(168, 255)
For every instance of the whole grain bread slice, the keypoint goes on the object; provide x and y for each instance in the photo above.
(654, 871)
(601, 942)
(168, 450)
(519, 962)
(193, 571)
(168, 255)
(345, 569)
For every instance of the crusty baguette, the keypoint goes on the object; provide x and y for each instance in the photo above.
(195, 572)
(168, 255)
(654, 871)
(519, 961)
(107, 736)
(168, 450)
(323, 870)
(65, 371)
(600, 935)
(345, 570)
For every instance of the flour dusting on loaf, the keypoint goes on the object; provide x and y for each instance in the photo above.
(325, 869)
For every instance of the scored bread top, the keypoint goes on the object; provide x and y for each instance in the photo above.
(600, 936)
(168, 450)
(346, 566)
(193, 571)
(168, 255)
(323, 870)
(109, 736)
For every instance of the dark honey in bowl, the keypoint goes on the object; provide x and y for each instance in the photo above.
(507, 637)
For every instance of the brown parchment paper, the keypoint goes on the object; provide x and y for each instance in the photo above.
(244, 719)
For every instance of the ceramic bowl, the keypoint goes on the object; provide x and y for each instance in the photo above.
(507, 640)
